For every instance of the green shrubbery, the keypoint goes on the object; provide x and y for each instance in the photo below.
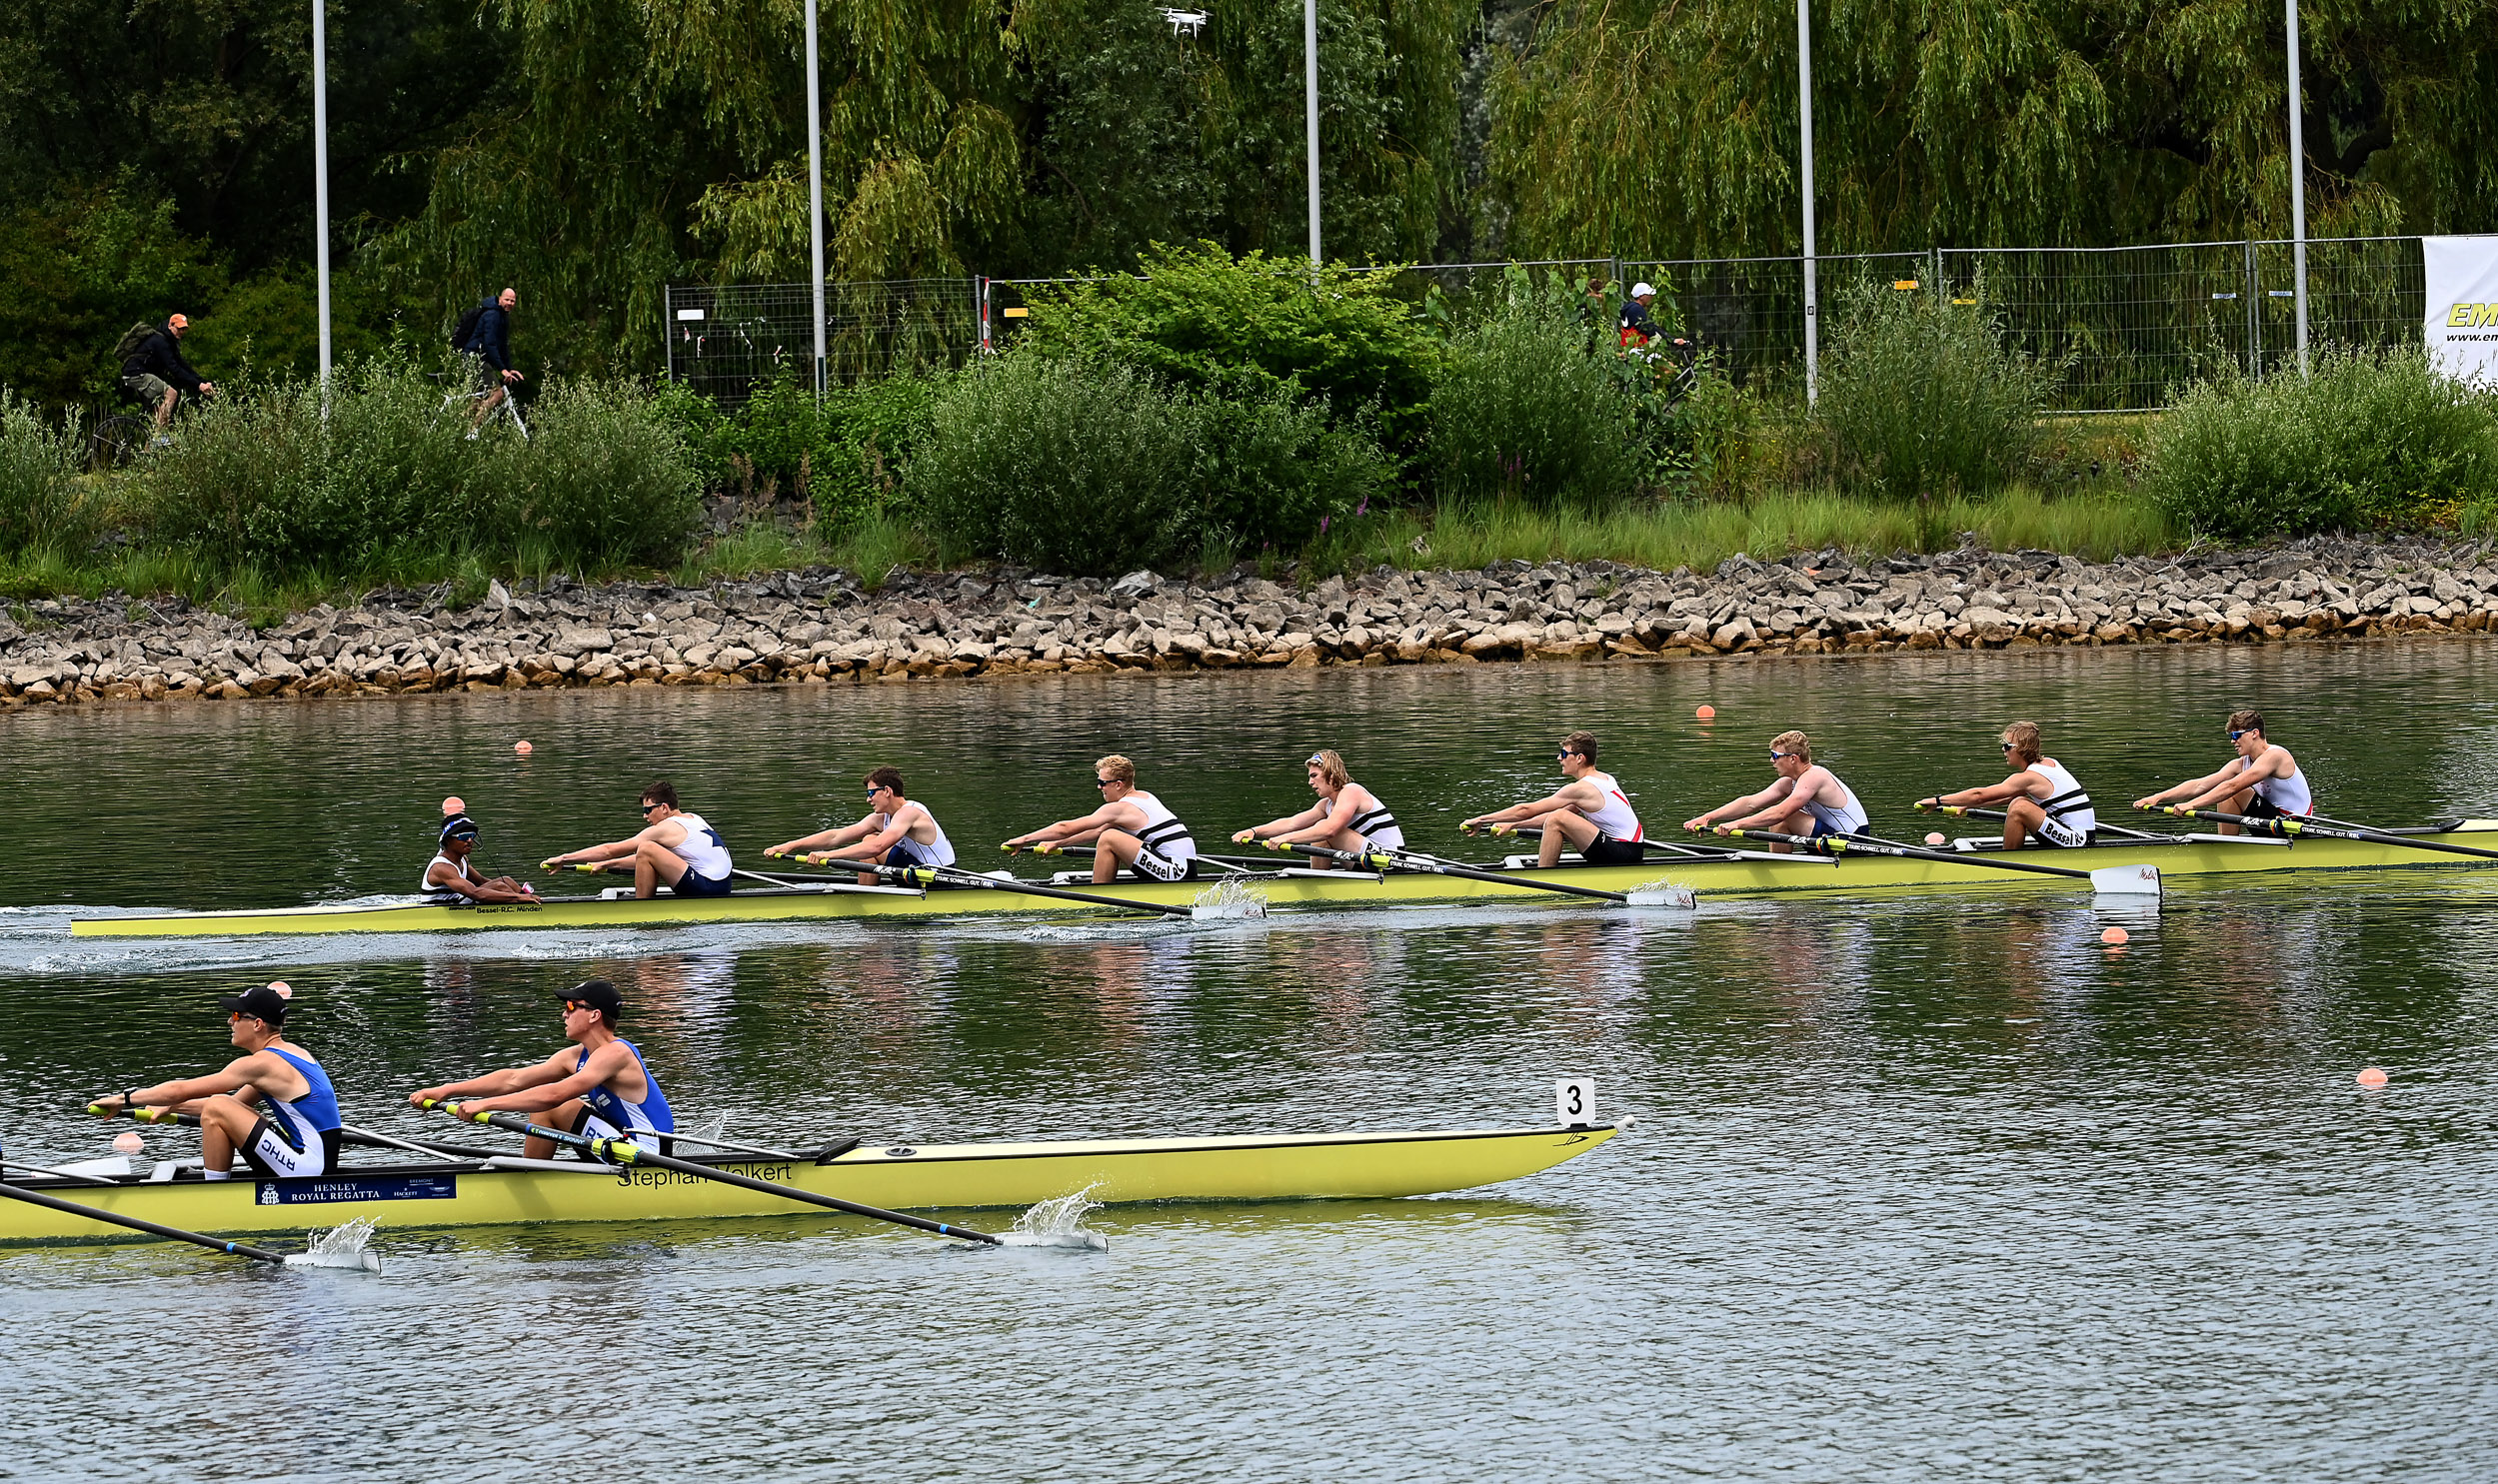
(1059, 463)
(843, 451)
(2368, 439)
(43, 507)
(1522, 411)
(1919, 396)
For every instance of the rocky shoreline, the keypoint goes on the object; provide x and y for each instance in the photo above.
(822, 628)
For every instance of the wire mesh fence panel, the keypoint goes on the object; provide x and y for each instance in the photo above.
(2122, 324)
(1749, 313)
(2365, 293)
(725, 339)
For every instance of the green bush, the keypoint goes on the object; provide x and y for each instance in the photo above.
(1523, 411)
(1201, 319)
(845, 452)
(1273, 470)
(43, 503)
(606, 478)
(2367, 439)
(1920, 397)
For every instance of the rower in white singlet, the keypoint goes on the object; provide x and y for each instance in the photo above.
(675, 849)
(2262, 782)
(1347, 817)
(1132, 831)
(2042, 800)
(1805, 799)
(273, 1104)
(599, 1085)
(894, 831)
(1589, 814)
(451, 880)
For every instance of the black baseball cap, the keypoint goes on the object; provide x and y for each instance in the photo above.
(598, 995)
(459, 827)
(261, 1002)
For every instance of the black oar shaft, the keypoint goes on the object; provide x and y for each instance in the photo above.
(930, 876)
(1435, 866)
(2293, 826)
(1865, 845)
(137, 1224)
(626, 1152)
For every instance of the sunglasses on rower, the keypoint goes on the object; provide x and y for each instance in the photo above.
(1103, 782)
(2235, 735)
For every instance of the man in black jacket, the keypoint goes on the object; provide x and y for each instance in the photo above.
(491, 343)
(157, 375)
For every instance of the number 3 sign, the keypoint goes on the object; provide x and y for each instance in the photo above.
(1574, 1100)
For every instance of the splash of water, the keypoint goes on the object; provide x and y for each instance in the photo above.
(1058, 1224)
(343, 1245)
(1664, 892)
(1231, 898)
(715, 1126)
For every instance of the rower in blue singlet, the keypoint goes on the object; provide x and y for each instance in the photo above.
(1347, 817)
(2263, 781)
(598, 1086)
(676, 850)
(272, 1105)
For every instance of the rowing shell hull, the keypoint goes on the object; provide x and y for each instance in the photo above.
(2177, 859)
(938, 1177)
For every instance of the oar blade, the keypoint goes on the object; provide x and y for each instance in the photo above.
(2127, 880)
(1662, 896)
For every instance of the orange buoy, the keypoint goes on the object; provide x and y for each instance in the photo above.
(1934, 836)
(283, 991)
(128, 1143)
(522, 747)
(1706, 713)
(2115, 936)
(455, 804)
(2372, 1076)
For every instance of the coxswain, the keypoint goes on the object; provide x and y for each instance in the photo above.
(2041, 800)
(1346, 817)
(449, 879)
(273, 1104)
(894, 831)
(1131, 831)
(1589, 814)
(2262, 782)
(599, 1086)
(1806, 799)
(676, 850)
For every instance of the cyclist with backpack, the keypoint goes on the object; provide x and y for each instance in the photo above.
(153, 371)
(486, 333)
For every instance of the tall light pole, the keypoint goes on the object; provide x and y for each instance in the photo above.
(2298, 190)
(321, 177)
(815, 192)
(1804, 115)
(1309, 87)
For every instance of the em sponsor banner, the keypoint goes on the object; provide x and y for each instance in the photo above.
(2462, 327)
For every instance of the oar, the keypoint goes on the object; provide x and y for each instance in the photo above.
(1432, 865)
(72, 1176)
(2113, 880)
(1967, 811)
(346, 1134)
(955, 875)
(2293, 826)
(626, 1152)
(152, 1228)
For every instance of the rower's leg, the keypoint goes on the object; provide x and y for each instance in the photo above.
(2021, 819)
(655, 865)
(224, 1124)
(1796, 821)
(1563, 826)
(564, 1115)
(2236, 804)
(1115, 849)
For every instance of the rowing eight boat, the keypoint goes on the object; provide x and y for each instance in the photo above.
(936, 1176)
(1744, 874)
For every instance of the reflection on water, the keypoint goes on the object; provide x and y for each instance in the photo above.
(1923, 1186)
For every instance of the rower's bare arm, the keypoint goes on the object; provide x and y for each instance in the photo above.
(1277, 829)
(838, 836)
(495, 1083)
(1519, 813)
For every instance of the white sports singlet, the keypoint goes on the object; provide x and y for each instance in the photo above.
(702, 850)
(908, 851)
(2289, 796)
(1372, 821)
(440, 895)
(2071, 818)
(1615, 820)
(1168, 848)
(1842, 820)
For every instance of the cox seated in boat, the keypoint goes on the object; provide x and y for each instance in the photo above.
(895, 830)
(273, 1104)
(451, 880)
(676, 850)
(2262, 782)
(599, 1086)
(2042, 801)
(1346, 817)
(1132, 831)
(1806, 799)
(1589, 813)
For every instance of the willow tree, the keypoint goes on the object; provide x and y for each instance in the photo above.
(1669, 127)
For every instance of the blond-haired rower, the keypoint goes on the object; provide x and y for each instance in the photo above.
(2042, 800)
(1131, 831)
(1347, 817)
(1806, 799)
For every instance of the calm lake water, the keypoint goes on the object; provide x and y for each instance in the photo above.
(1921, 1187)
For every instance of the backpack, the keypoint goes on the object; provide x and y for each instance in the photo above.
(466, 330)
(133, 341)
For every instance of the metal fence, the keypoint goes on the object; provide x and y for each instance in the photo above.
(2124, 326)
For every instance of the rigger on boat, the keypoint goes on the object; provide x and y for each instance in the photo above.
(1807, 833)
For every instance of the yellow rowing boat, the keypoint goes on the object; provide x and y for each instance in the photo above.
(500, 1192)
(1744, 874)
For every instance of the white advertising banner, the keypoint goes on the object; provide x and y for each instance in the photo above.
(2462, 327)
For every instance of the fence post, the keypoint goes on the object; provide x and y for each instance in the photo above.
(667, 327)
(2254, 318)
(1804, 120)
(2298, 189)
